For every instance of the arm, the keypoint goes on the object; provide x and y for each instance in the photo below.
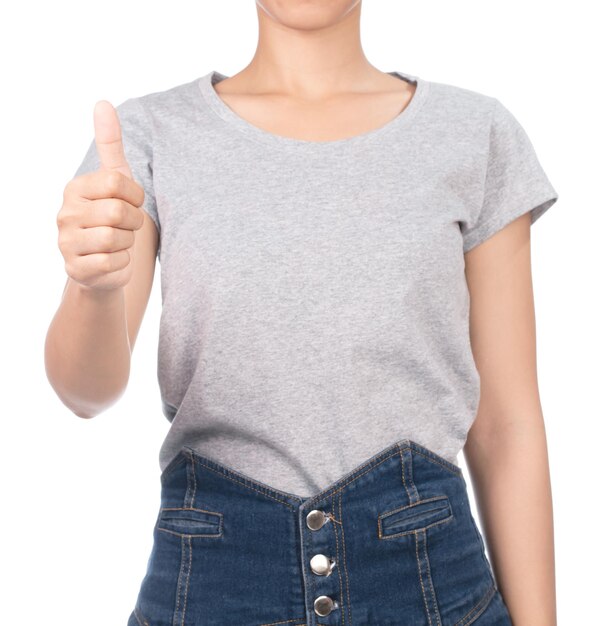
(110, 254)
(506, 450)
(92, 334)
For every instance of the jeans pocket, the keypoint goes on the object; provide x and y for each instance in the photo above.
(414, 517)
(190, 522)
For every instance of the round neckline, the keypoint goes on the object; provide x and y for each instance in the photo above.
(206, 88)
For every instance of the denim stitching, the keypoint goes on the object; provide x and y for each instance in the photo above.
(406, 445)
(307, 579)
(249, 486)
(413, 530)
(408, 532)
(436, 462)
(138, 616)
(345, 558)
(177, 460)
(421, 582)
(481, 542)
(179, 585)
(425, 575)
(341, 563)
(435, 457)
(246, 481)
(481, 606)
(316, 498)
(183, 535)
(407, 475)
(403, 475)
(187, 578)
(184, 508)
(289, 621)
(429, 577)
(190, 484)
(417, 503)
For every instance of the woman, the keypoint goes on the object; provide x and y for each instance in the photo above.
(345, 253)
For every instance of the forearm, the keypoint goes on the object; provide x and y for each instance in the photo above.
(511, 481)
(87, 349)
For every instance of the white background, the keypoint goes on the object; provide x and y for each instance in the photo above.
(80, 497)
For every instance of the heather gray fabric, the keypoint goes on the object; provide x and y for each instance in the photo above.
(315, 307)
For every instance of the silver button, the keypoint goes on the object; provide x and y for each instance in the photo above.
(323, 605)
(316, 519)
(320, 564)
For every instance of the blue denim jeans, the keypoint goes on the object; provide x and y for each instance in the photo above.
(391, 543)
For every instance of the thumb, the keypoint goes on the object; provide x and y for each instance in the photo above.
(108, 138)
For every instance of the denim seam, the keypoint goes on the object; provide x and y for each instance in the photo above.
(187, 579)
(425, 573)
(407, 475)
(413, 530)
(173, 464)
(249, 486)
(190, 485)
(433, 460)
(183, 580)
(478, 609)
(342, 563)
(315, 498)
(429, 576)
(417, 503)
(307, 580)
(319, 497)
(481, 541)
(434, 456)
(289, 621)
(421, 582)
(139, 617)
(185, 508)
(189, 535)
(345, 558)
(407, 506)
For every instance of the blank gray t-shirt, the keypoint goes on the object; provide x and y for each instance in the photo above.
(314, 303)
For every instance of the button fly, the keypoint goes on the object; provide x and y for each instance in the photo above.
(316, 519)
(323, 605)
(321, 564)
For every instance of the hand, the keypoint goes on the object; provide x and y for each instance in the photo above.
(100, 212)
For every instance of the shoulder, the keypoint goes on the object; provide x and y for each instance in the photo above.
(174, 101)
(456, 98)
(459, 109)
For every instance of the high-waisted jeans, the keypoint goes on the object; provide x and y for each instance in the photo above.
(391, 543)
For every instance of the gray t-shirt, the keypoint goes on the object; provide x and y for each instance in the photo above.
(314, 301)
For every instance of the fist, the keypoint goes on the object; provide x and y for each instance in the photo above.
(101, 211)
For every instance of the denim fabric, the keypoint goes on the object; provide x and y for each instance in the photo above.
(402, 545)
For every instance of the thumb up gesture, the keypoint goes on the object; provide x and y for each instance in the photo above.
(101, 211)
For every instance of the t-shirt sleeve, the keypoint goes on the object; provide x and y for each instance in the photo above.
(137, 141)
(515, 181)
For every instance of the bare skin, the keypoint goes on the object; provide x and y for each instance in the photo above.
(309, 79)
(506, 449)
(109, 251)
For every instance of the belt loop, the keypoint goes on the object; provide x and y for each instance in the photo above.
(407, 473)
(190, 481)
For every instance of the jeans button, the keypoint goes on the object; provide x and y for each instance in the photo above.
(321, 565)
(323, 605)
(316, 519)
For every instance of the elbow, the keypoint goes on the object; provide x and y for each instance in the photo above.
(85, 414)
(89, 409)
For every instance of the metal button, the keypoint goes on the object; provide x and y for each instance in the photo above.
(321, 564)
(323, 605)
(316, 519)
